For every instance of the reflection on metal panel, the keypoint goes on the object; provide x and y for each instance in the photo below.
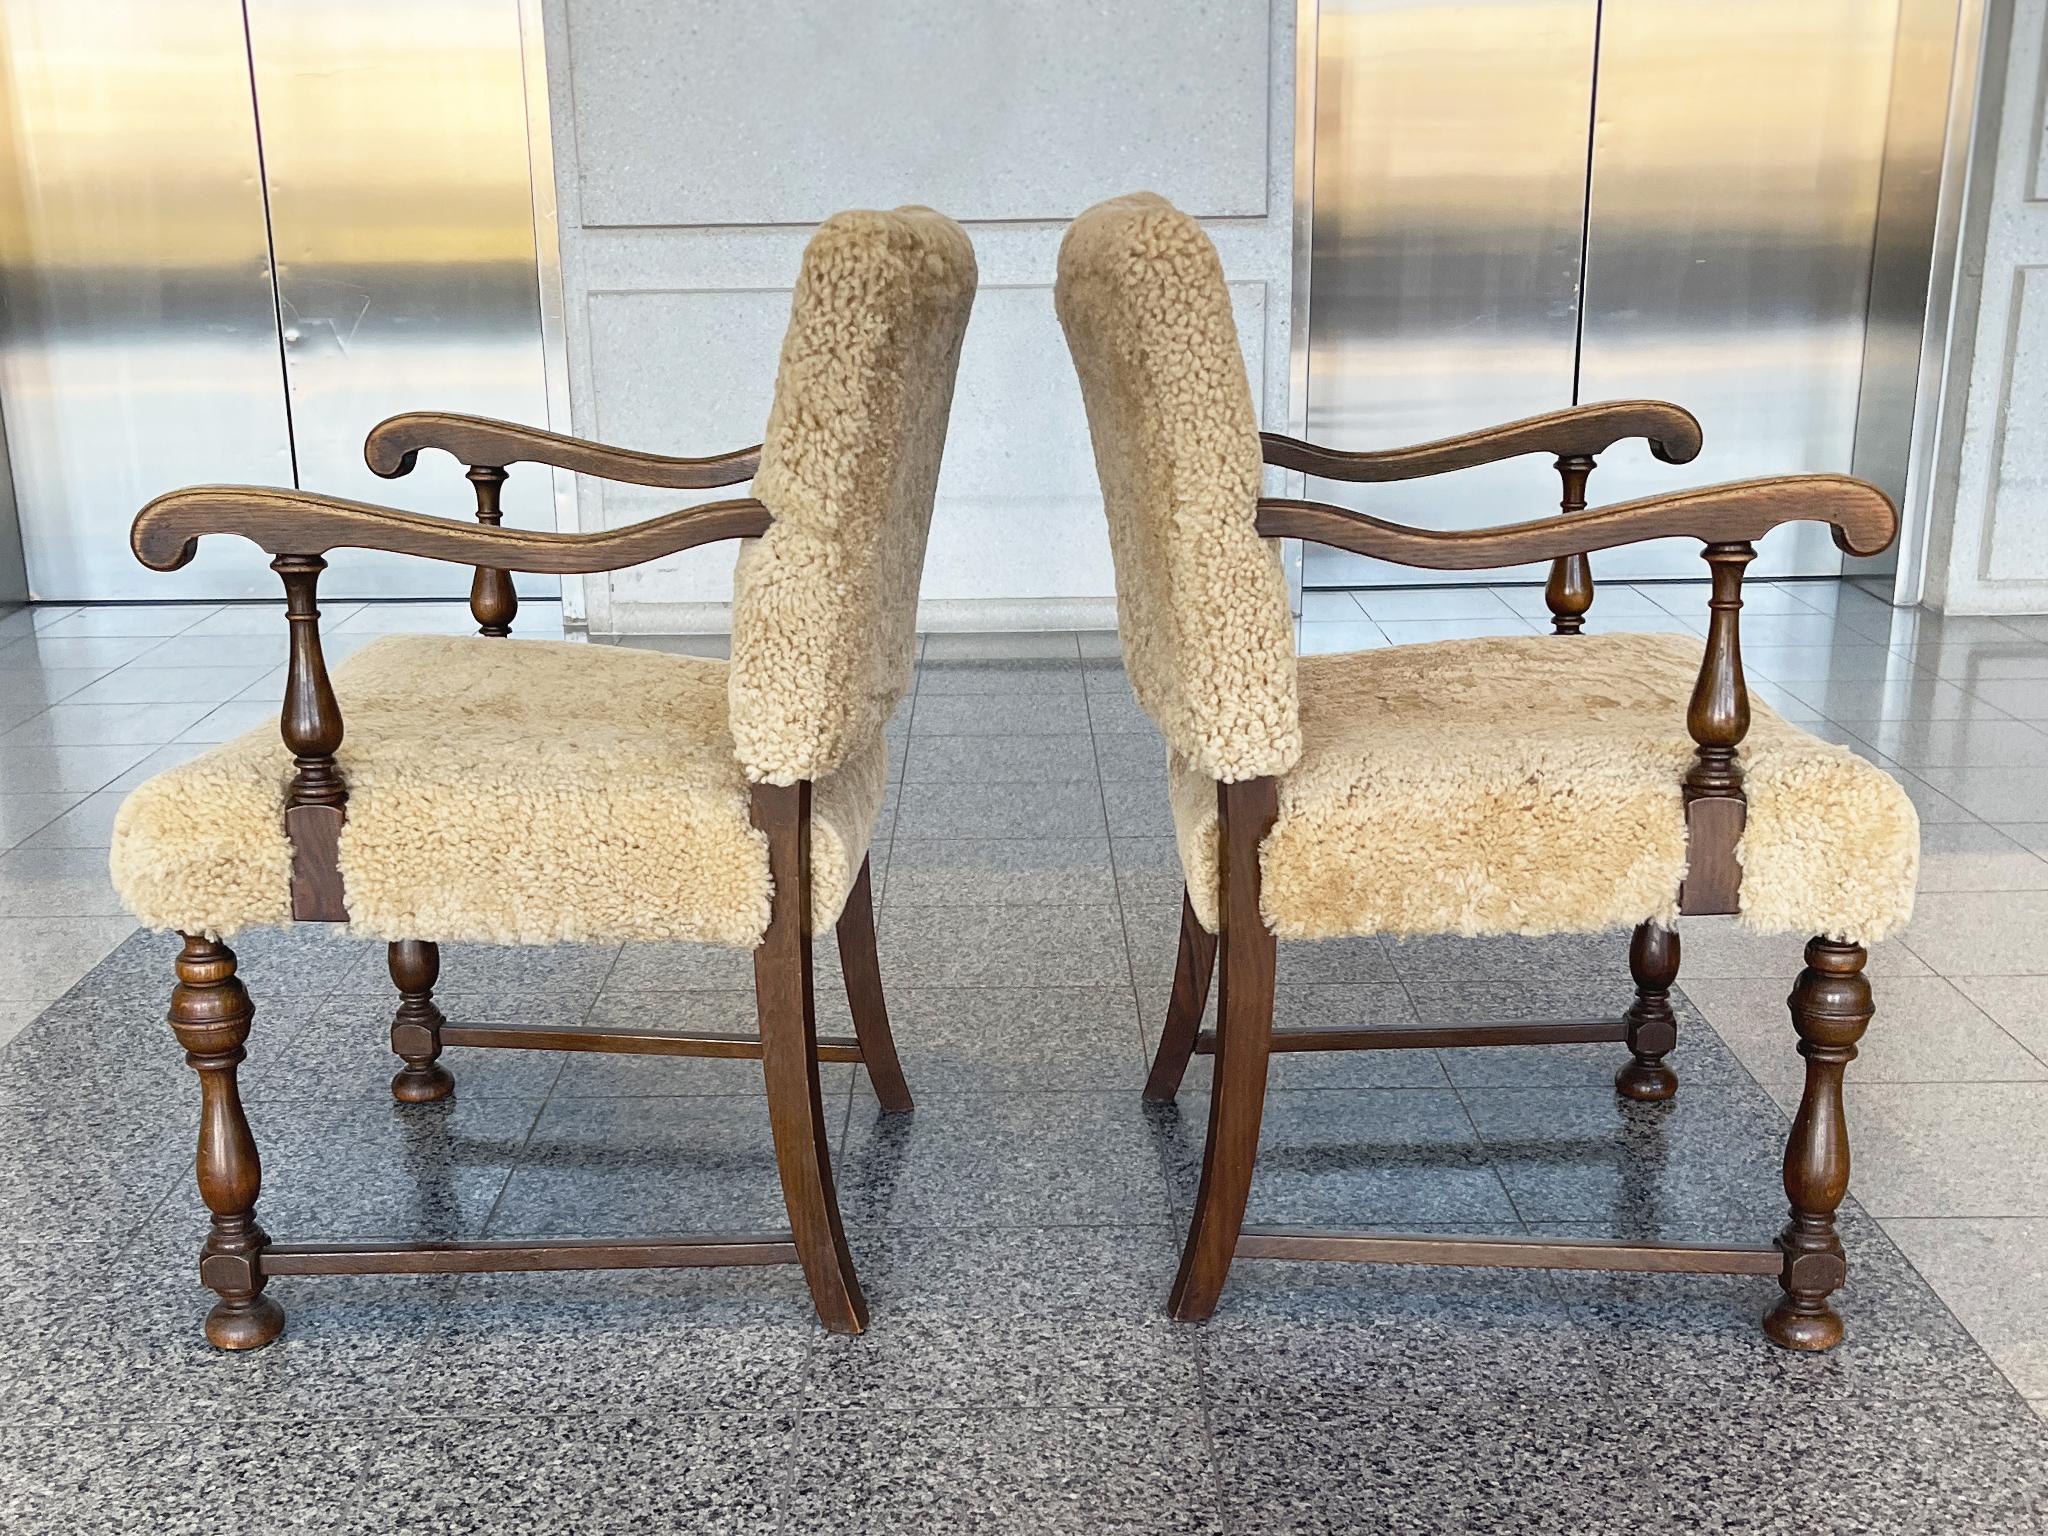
(1912, 274)
(394, 146)
(140, 350)
(1736, 154)
(1450, 174)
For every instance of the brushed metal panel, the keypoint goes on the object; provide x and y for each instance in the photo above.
(1913, 321)
(1449, 171)
(1736, 157)
(140, 349)
(738, 113)
(401, 206)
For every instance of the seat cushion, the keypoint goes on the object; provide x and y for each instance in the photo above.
(503, 791)
(1531, 786)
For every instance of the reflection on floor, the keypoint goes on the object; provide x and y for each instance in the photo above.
(1017, 1234)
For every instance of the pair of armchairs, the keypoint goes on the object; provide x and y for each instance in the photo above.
(543, 793)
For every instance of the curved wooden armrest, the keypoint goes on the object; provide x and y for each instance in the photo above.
(395, 443)
(166, 533)
(1673, 433)
(1863, 520)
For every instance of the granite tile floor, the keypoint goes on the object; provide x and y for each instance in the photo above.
(1017, 1233)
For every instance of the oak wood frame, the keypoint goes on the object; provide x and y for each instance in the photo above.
(210, 1010)
(1830, 1003)
(487, 448)
(1574, 436)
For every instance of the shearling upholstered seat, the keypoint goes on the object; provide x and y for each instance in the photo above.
(1506, 786)
(533, 793)
(1532, 786)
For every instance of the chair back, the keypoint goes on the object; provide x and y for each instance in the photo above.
(825, 603)
(1202, 608)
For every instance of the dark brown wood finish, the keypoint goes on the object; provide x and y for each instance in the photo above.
(631, 1042)
(165, 534)
(1862, 519)
(504, 1257)
(394, 445)
(416, 1029)
(862, 967)
(210, 1014)
(1425, 1037)
(1192, 969)
(316, 803)
(1717, 719)
(492, 601)
(1569, 591)
(1672, 431)
(1831, 1008)
(1652, 1026)
(784, 998)
(1510, 1252)
(1244, 1010)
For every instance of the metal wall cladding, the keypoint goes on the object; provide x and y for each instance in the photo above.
(1450, 184)
(401, 208)
(1737, 151)
(140, 349)
(1526, 203)
(161, 151)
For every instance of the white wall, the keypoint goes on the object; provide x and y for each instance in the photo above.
(697, 145)
(1988, 546)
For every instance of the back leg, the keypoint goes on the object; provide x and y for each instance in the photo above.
(1192, 971)
(863, 968)
(1652, 1027)
(416, 1029)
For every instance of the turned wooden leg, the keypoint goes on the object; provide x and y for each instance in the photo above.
(210, 1015)
(1652, 1027)
(863, 971)
(1244, 1036)
(416, 1028)
(1830, 1009)
(789, 1060)
(1192, 969)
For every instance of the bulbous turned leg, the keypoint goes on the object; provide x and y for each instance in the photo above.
(416, 1028)
(210, 1015)
(1831, 1007)
(1652, 1027)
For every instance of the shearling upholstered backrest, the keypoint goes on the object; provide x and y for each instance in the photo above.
(1201, 600)
(825, 604)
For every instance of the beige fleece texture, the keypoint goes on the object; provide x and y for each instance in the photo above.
(1201, 599)
(1475, 786)
(525, 792)
(1531, 786)
(825, 605)
(504, 791)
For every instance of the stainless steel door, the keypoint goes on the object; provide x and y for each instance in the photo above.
(395, 153)
(1736, 157)
(1450, 181)
(160, 150)
(140, 348)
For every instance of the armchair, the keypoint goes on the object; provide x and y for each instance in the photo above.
(1471, 787)
(437, 789)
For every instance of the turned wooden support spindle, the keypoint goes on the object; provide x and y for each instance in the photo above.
(1831, 1007)
(416, 1028)
(1718, 717)
(1652, 1026)
(492, 602)
(1569, 591)
(210, 1015)
(316, 801)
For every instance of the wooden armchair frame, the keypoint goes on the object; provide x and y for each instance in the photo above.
(210, 1009)
(1830, 1002)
